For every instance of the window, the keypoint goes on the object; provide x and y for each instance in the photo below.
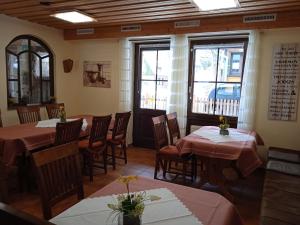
(29, 65)
(154, 74)
(216, 79)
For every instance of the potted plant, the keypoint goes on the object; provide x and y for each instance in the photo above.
(224, 125)
(129, 207)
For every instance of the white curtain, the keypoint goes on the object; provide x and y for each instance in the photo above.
(178, 82)
(125, 82)
(126, 76)
(249, 88)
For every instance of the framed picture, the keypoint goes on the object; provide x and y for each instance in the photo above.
(97, 74)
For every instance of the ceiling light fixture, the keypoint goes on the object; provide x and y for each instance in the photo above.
(206, 5)
(74, 17)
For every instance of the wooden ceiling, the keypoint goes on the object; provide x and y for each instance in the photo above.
(121, 12)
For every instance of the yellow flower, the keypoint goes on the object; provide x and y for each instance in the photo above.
(127, 179)
(221, 118)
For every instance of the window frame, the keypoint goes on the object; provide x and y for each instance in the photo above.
(31, 52)
(145, 46)
(201, 119)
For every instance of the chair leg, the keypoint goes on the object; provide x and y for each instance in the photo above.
(184, 170)
(156, 167)
(105, 160)
(165, 165)
(125, 152)
(91, 167)
(113, 155)
(47, 211)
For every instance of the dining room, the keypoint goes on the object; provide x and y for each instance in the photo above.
(149, 112)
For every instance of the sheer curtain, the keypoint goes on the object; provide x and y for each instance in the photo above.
(248, 95)
(178, 82)
(126, 81)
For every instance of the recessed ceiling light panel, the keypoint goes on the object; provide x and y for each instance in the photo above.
(206, 5)
(74, 17)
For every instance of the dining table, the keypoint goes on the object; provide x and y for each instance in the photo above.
(178, 205)
(217, 153)
(25, 138)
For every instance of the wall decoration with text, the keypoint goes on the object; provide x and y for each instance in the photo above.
(97, 74)
(283, 100)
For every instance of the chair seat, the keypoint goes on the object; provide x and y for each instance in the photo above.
(84, 144)
(169, 151)
(117, 141)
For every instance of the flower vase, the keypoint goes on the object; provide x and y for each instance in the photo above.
(125, 219)
(224, 131)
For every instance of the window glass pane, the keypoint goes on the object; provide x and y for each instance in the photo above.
(18, 46)
(205, 64)
(162, 94)
(45, 69)
(149, 65)
(164, 65)
(147, 95)
(24, 78)
(13, 93)
(203, 99)
(230, 64)
(12, 67)
(35, 80)
(46, 91)
(37, 48)
(227, 99)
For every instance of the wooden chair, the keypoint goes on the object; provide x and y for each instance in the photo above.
(174, 131)
(96, 145)
(3, 176)
(11, 216)
(58, 174)
(53, 110)
(68, 131)
(118, 137)
(29, 114)
(166, 153)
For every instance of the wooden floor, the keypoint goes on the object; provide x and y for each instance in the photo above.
(247, 192)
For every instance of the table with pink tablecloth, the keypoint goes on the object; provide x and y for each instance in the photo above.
(27, 137)
(210, 208)
(243, 151)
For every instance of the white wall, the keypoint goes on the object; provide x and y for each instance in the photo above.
(275, 133)
(66, 85)
(100, 101)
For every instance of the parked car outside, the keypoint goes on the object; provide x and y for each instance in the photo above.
(224, 92)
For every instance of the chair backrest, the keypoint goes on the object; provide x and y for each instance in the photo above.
(120, 125)
(1, 124)
(160, 131)
(29, 114)
(59, 174)
(53, 110)
(11, 216)
(68, 131)
(174, 131)
(99, 129)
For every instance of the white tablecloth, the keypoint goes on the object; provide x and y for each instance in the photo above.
(169, 210)
(215, 136)
(53, 122)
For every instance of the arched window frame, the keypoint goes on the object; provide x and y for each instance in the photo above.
(31, 52)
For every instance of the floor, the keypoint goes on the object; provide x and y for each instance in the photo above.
(247, 192)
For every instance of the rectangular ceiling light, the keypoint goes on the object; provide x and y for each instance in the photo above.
(206, 5)
(74, 17)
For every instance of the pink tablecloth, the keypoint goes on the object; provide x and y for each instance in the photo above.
(242, 151)
(27, 137)
(210, 208)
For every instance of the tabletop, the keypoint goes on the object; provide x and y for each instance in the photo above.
(209, 208)
(237, 146)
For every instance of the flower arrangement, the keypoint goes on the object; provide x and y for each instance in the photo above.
(62, 114)
(224, 125)
(130, 205)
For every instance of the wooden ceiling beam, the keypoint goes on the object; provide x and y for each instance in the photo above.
(228, 23)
